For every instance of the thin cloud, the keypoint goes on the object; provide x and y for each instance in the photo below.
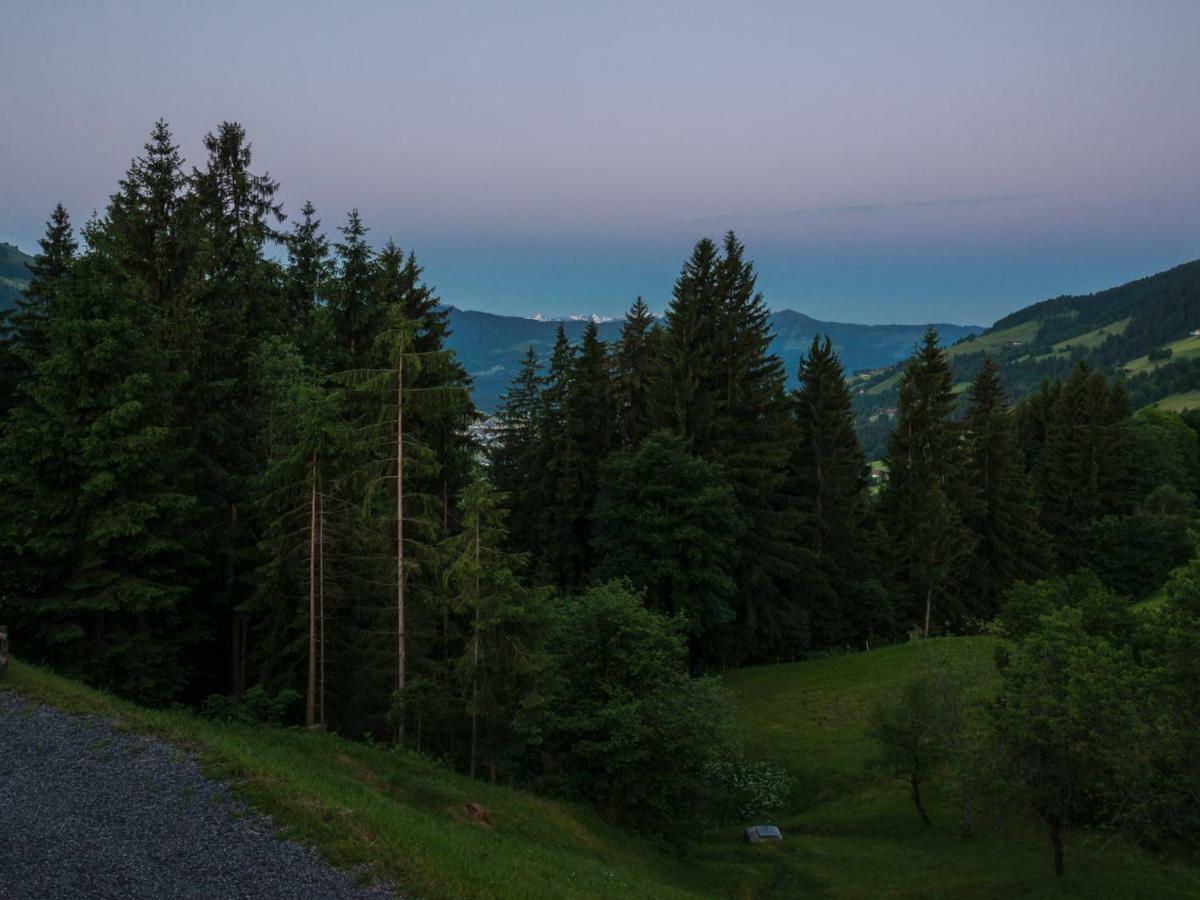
(869, 208)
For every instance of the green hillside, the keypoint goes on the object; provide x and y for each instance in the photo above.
(849, 831)
(13, 274)
(1141, 329)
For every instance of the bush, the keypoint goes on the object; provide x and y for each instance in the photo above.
(749, 789)
(625, 726)
(254, 707)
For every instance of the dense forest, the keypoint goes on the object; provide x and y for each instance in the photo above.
(257, 485)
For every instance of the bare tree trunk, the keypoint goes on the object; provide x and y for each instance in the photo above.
(916, 796)
(401, 661)
(1056, 842)
(475, 655)
(321, 612)
(310, 702)
(928, 609)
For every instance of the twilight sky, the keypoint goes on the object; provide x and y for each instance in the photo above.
(883, 161)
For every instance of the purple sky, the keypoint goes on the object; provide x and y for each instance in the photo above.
(883, 161)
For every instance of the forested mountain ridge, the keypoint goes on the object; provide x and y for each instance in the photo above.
(13, 274)
(1141, 330)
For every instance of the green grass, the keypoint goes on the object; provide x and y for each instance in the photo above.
(1180, 402)
(1093, 339)
(1025, 333)
(854, 834)
(849, 831)
(402, 815)
(1184, 348)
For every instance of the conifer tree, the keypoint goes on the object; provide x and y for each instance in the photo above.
(828, 480)
(1083, 474)
(669, 523)
(1009, 544)
(150, 232)
(590, 430)
(635, 359)
(516, 453)
(354, 322)
(236, 297)
(722, 390)
(21, 328)
(556, 459)
(95, 503)
(306, 278)
(308, 444)
(929, 544)
(502, 658)
(47, 273)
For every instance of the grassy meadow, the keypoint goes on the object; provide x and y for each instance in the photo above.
(850, 832)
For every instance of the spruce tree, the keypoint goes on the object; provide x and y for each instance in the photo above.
(354, 321)
(515, 455)
(828, 480)
(21, 342)
(502, 658)
(635, 359)
(554, 556)
(306, 278)
(1084, 472)
(929, 544)
(722, 390)
(47, 273)
(590, 431)
(95, 500)
(149, 229)
(1009, 544)
(669, 523)
(236, 297)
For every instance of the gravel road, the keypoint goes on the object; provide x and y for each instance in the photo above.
(90, 811)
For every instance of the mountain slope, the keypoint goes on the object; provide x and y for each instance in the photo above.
(491, 346)
(1142, 329)
(13, 274)
(850, 831)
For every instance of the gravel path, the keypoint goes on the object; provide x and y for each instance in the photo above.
(90, 811)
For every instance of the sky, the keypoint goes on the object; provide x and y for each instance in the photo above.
(882, 161)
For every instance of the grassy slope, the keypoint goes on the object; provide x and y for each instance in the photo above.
(1184, 348)
(849, 834)
(856, 835)
(400, 813)
(1179, 402)
(1093, 339)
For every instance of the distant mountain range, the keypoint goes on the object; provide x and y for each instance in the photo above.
(491, 346)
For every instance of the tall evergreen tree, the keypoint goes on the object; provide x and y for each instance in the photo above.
(669, 523)
(1083, 475)
(354, 321)
(635, 359)
(828, 480)
(502, 659)
(149, 229)
(94, 494)
(21, 341)
(722, 390)
(925, 462)
(515, 456)
(47, 273)
(1009, 544)
(306, 278)
(553, 555)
